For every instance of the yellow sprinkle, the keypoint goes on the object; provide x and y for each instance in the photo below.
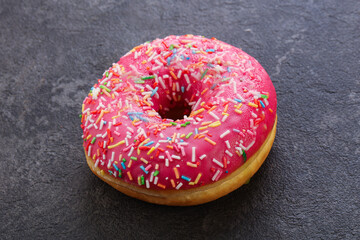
(206, 123)
(144, 160)
(182, 135)
(112, 96)
(238, 111)
(211, 109)
(94, 156)
(215, 124)
(202, 128)
(150, 48)
(115, 116)
(106, 93)
(82, 108)
(129, 175)
(87, 138)
(102, 172)
(210, 141)
(129, 165)
(191, 183)
(116, 144)
(143, 62)
(225, 113)
(239, 105)
(253, 105)
(198, 178)
(191, 164)
(177, 175)
(198, 111)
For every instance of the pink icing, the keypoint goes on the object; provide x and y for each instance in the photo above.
(142, 83)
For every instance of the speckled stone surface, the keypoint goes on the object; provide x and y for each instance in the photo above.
(51, 52)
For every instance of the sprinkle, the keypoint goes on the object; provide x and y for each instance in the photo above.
(237, 100)
(156, 173)
(227, 144)
(179, 186)
(215, 175)
(218, 163)
(93, 140)
(238, 111)
(117, 144)
(224, 133)
(154, 91)
(123, 165)
(244, 155)
(193, 154)
(133, 158)
(116, 167)
(147, 184)
(149, 143)
(129, 175)
(228, 153)
(191, 164)
(105, 88)
(161, 185)
(210, 141)
(253, 105)
(142, 180)
(204, 73)
(198, 178)
(144, 160)
(176, 173)
(215, 124)
(262, 104)
(150, 151)
(185, 178)
(189, 134)
(148, 77)
(143, 168)
(202, 156)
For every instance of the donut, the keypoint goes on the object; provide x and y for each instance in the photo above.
(182, 121)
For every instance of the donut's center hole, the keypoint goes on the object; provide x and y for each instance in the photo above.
(175, 110)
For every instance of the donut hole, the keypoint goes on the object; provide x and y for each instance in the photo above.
(175, 111)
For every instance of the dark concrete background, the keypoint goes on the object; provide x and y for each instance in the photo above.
(51, 52)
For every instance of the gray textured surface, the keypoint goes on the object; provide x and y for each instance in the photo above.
(52, 52)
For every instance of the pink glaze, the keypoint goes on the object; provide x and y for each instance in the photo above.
(221, 76)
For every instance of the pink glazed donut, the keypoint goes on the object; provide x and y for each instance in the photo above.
(182, 120)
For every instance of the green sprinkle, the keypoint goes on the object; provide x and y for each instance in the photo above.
(80, 115)
(189, 134)
(142, 180)
(105, 83)
(133, 158)
(156, 173)
(244, 155)
(93, 140)
(187, 123)
(173, 123)
(103, 87)
(171, 47)
(148, 77)
(204, 73)
(225, 79)
(264, 96)
(124, 160)
(183, 125)
(107, 74)
(120, 173)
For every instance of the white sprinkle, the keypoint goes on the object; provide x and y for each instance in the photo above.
(214, 115)
(215, 175)
(187, 79)
(104, 135)
(218, 163)
(97, 162)
(156, 180)
(179, 74)
(126, 142)
(249, 146)
(188, 87)
(253, 114)
(89, 151)
(227, 144)
(182, 151)
(202, 156)
(193, 154)
(197, 104)
(101, 124)
(95, 126)
(131, 151)
(167, 162)
(239, 149)
(176, 157)
(224, 118)
(228, 153)
(224, 133)
(90, 126)
(147, 184)
(104, 144)
(179, 186)
(152, 177)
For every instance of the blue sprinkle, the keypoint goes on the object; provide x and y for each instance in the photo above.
(131, 118)
(228, 69)
(154, 91)
(116, 167)
(238, 100)
(168, 61)
(135, 113)
(143, 119)
(196, 131)
(226, 171)
(111, 173)
(185, 178)
(105, 122)
(262, 104)
(181, 140)
(182, 57)
(123, 165)
(211, 65)
(210, 50)
(143, 168)
(213, 86)
(182, 89)
(235, 130)
(169, 138)
(149, 143)
(188, 58)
